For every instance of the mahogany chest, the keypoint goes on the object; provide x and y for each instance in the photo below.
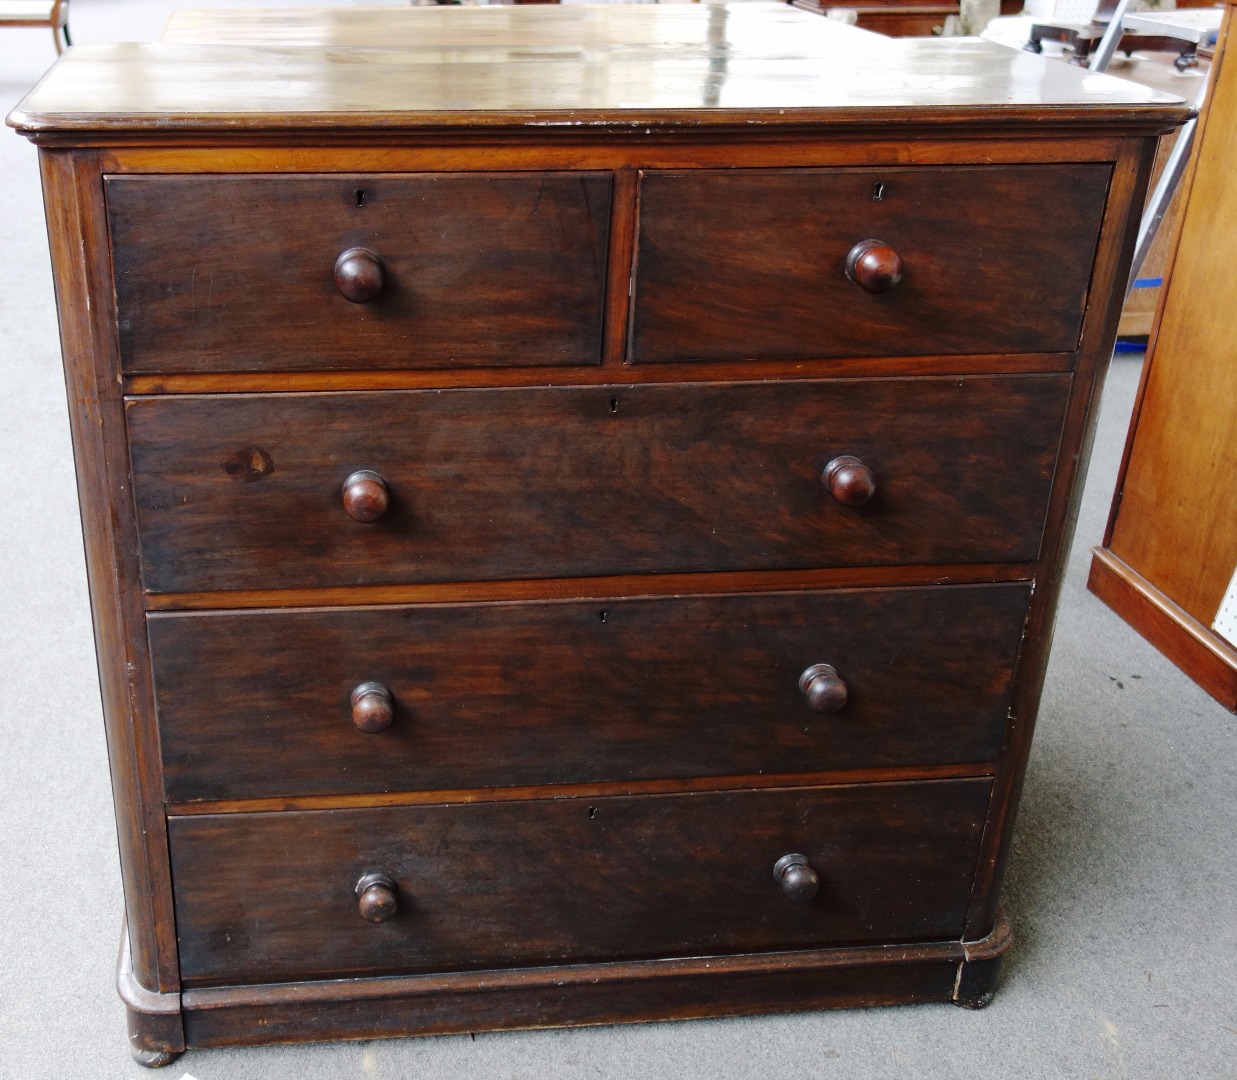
(574, 500)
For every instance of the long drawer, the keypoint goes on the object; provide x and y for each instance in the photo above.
(245, 491)
(260, 704)
(247, 273)
(264, 897)
(752, 263)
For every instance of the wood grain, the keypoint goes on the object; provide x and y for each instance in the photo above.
(724, 59)
(237, 273)
(525, 694)
(1195, 648)
(753, 263)
(1175, 518)
(485, 885)
(78, 235)
(593, 481)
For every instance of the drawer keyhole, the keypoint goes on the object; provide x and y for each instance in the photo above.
(878, 191)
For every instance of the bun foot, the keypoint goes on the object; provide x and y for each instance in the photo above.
(154, 1059)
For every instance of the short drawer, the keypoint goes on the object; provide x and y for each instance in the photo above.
(238, 273)
(272, 896)
(491, 695)
(752, 263)
(244, 492)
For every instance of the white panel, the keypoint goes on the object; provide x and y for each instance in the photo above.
(1226, 618)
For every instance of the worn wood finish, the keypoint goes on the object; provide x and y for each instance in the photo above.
(1117, 238)
(521, 694)
(503, 884)
(1174, 516)
(236, 493)
(753, 263)
(78, 236)
(611, 477)
(238, 273)
(665, 68)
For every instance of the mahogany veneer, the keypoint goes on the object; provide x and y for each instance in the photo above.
(574, 500)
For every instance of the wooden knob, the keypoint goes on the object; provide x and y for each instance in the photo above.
(372, 708)
(849, 480)
(358, 275)
(797, 879)
(823, 690)
(874, 266)
(366, 497)
(377, 899)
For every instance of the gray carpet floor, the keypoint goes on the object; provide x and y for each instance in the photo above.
(1122, 886)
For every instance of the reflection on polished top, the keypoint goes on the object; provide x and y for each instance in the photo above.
(609, 66)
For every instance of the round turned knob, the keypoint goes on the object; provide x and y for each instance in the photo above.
(823, 690)
(377, 899)
(358, 275)
(797, 879)
(366, 497)
(849, 480)
(372, 709)
(874, 266)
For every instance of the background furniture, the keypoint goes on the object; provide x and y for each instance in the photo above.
(1171, 545)
(50, 13)
(652, 628)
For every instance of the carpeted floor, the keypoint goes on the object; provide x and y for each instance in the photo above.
(1122, 887)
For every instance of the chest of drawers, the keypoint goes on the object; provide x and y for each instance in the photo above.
(573, 518)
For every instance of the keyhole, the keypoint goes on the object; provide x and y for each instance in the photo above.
(878, 191)
(592, 811)
(603, 615)
(614, 404)
(360, 196)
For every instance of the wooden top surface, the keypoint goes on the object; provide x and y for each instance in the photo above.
(631, 67)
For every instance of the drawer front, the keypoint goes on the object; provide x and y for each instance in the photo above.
(264, 897)
(238, 273)
(489, 695)
(751, 263)
(244, 492)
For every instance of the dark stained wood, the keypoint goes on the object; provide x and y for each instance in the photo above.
(753, 263)
(257, 705)
(78, 235)
(585, 993)
(239, 273)
(366, 497)
(797, 878)
(873, 266)
(572, 995)
(849, 480)
(372, 707)
(534, 489)
(823, 689)
(1116, 247)
(605, 480)
(608, 75)
(494, 885)
(359, 275)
